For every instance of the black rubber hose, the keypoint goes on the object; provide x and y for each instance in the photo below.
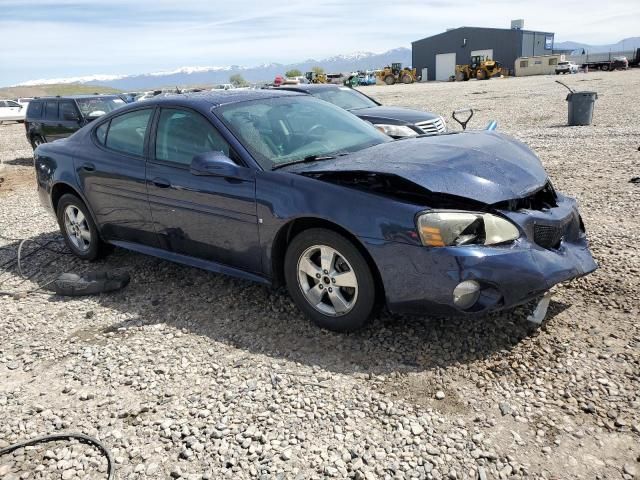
(111, 474)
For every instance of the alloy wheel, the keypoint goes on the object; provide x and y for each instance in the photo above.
(327, 280)
(77, 228)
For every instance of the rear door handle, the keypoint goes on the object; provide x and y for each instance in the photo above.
(89, 167)
(161, 183)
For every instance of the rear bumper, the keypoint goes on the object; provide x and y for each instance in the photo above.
(421, 280)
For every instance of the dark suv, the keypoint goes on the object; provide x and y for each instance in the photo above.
(52, 118)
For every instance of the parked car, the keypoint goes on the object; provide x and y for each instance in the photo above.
(566, 67)
(275, 186)
(24, 101)
(397, 122)
(11, 111)
(620, 63)
(53, 118)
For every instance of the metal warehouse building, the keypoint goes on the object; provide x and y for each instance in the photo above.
(440, 53)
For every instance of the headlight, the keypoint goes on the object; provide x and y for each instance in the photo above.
(396, 130)
(444, 229)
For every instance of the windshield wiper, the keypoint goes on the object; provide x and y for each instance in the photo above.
(308, 159)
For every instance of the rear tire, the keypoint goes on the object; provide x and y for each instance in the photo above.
(406, 79)
(389, 80)
(330, 280)
(78, 228)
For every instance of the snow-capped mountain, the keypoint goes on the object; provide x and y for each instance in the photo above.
(214, 74)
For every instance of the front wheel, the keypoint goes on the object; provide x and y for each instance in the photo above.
(390, 80)
(330, 280)
(78, 228)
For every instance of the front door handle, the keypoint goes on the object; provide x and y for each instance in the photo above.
(161, 183)
(89, 167)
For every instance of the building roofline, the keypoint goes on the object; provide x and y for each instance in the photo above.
(483, 28)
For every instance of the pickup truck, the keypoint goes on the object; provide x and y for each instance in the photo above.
(566, 67)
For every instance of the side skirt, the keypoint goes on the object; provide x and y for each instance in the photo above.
(191, 261)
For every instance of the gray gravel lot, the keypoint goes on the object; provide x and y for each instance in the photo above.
(188, 374)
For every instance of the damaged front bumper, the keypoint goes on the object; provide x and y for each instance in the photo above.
(552, 248)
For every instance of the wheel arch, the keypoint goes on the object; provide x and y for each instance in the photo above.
(60, 188)
(287, 233)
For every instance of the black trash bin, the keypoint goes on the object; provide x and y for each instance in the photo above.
(581, 107)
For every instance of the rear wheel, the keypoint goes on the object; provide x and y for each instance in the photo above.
(78, 229)
(330, 280)
(389, 79)
(406, 79)
(605, 67)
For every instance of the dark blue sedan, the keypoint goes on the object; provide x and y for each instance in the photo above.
(276, 186)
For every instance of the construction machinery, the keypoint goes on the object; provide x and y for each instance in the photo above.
(395, 73)
(313, 77)
(480, 67)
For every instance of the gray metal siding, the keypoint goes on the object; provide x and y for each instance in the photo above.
(507, 45)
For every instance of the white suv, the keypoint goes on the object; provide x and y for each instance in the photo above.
(11, 111)
(566, 67)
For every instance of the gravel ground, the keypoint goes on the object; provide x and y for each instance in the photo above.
(188, 374)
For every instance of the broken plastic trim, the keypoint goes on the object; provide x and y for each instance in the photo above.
(398, 188)
(89, 283)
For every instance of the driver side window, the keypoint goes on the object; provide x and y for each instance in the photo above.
(183, 134)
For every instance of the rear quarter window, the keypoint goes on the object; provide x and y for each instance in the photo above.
(34, 110)
(101, 133)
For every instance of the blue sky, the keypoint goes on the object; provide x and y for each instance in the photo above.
(66, 38)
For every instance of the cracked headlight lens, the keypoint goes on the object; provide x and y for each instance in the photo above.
(446, 228)
(396, 130)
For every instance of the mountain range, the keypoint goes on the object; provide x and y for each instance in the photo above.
(220, 74)
(261, 73)
(627, 44)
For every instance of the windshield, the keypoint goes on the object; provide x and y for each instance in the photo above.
(100, 104)
(285, 129)
(344, 97)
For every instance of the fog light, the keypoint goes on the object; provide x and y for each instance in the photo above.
(466, 294)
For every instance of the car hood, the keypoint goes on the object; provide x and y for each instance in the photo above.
(393, 115)
(485, 166)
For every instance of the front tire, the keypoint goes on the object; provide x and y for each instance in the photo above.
(78, 228)
(330, 280)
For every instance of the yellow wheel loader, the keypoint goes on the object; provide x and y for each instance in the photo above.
(480, 67)
(395, 74)
(314, 77)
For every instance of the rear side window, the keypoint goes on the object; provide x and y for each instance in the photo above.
(34, 110)
(127, 132)
(51, 110)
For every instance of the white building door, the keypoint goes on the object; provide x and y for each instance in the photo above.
(485, 53)
(445, 66)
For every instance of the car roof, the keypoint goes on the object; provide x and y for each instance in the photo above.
(78, 97)
(309, 87)
(219, 97)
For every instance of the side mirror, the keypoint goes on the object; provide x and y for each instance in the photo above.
(217, 164)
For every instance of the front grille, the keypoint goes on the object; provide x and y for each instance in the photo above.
(549, 236)
(432, 127)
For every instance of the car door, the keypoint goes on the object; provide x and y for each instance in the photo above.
(68, 118)
(112, 176)
(50, 120)
(212, 218)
